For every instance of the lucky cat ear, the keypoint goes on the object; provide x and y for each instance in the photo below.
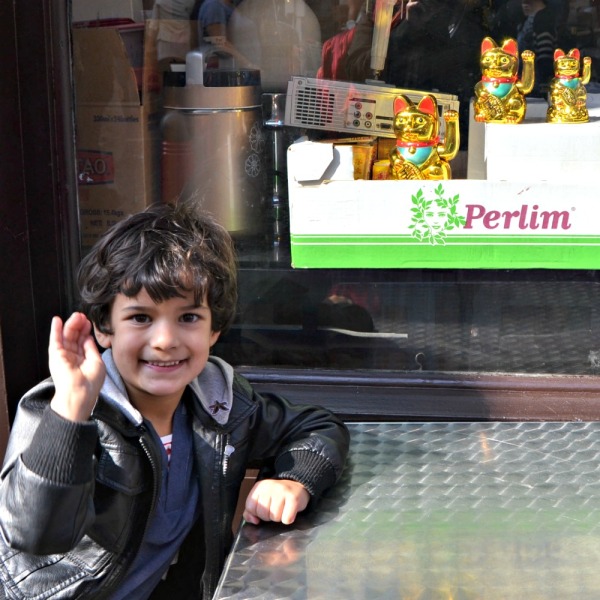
(400, 103)
(574, 53)
(558, 53)
(428, 105)
(487, 44)
(510, 46)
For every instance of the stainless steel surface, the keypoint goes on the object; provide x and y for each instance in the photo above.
(486, 511)
(202, 99)
(213, 147)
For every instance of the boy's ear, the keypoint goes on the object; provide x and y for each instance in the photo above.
(104, 339)
(214, 336)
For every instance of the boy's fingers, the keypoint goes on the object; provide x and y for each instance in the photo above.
(276, 509)
(251, 518)
(78, 324)
(71, 334)
(56, 327)
(280, 502)
(91, 350)
(288, 516)
(258, 505)
(263, 509)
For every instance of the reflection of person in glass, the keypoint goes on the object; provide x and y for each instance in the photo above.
(430, 48)
(214, 16)
(214, 33)
(175, 36)
(538, 33)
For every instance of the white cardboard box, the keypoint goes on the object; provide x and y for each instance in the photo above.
(535, 150)
(339, 222)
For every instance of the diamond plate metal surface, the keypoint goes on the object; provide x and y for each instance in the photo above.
(454, 511)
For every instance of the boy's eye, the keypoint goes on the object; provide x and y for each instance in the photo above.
(190, 318)
(140, 318)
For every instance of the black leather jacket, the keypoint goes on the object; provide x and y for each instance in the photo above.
(75, 498)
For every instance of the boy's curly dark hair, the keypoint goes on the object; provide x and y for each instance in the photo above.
(166, 250)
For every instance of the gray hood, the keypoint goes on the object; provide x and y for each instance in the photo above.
(212, 388)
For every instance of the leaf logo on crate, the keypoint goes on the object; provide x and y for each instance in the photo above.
(433, 218)
(95, 167)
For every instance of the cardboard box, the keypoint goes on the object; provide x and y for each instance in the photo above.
(535, 150)
(337, 222)
(117, 120)
(91, 10)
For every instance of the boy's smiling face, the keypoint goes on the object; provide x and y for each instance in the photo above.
(158, 348)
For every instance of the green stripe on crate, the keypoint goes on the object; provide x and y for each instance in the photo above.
(487, 240)
(502, 252)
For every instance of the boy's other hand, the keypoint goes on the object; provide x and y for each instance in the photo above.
(277, 500)
(76, 367)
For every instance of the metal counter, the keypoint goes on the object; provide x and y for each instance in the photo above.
(461, 511)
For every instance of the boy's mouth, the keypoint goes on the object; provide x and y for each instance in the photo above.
(165, 363)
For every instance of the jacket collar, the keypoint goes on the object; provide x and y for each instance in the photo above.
(212, 388)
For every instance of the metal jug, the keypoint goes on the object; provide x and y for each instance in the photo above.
(213, 145)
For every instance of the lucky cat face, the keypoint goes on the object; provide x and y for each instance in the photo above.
(566, 65)
(499, 61)
(415, 123)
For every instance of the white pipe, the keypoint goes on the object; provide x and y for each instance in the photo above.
(381, 34)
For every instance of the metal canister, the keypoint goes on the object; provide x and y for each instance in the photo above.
(213, 144)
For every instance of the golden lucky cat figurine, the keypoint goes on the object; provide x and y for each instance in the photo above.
(418, 153)
(567, 97)
(500, 94)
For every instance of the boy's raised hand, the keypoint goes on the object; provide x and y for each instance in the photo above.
(76, 367)
(277, 500)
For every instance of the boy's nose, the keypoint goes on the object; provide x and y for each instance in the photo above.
(164, 336)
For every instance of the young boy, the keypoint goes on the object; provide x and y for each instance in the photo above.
(123, 469)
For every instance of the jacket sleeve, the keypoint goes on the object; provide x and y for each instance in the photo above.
(47, 481)
(305, 443)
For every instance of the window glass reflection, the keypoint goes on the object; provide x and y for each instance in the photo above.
(145, 135)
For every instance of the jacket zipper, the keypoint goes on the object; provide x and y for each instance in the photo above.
(155, 490)
(225, 450)
(155, 470)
